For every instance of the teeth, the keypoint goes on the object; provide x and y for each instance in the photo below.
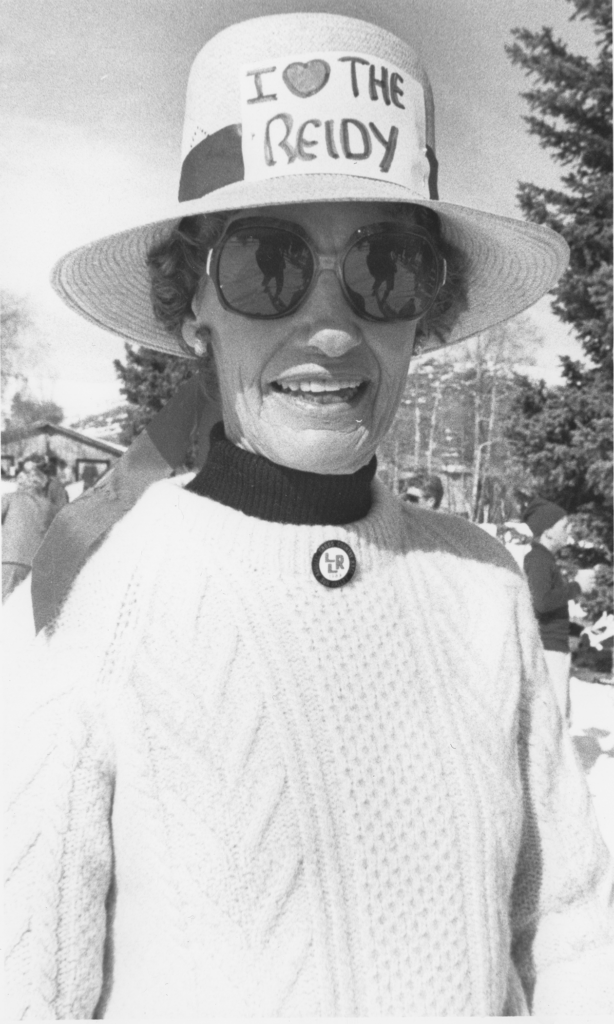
(316, 386)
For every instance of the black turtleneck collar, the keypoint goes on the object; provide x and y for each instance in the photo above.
(254, 485)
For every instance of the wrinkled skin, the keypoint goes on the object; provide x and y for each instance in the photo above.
(262, 365)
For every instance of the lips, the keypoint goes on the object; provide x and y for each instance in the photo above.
(320, 392)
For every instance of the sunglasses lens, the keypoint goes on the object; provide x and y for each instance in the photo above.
(264, 271)
(392, 276)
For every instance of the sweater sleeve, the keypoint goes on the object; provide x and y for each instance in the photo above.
(59, 855)
(562, 922)
(545, 596)
(61, 704)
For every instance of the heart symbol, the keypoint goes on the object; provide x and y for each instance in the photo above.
(306, 79)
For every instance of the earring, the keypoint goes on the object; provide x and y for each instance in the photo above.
(201, 344)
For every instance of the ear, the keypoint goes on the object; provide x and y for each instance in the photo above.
(196, 336)
(189, 328)
(193, 333)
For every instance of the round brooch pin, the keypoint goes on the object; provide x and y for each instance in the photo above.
(334, 563)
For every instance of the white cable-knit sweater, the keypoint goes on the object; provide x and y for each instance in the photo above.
(238, 792)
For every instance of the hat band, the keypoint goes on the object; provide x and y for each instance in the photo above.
(218, 161)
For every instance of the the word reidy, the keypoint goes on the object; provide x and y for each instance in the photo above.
(333, 113)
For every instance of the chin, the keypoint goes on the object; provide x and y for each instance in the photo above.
(322, 451)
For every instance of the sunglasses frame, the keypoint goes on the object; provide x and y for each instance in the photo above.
(335, 263)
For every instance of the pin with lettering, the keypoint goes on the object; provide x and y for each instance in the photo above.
(334, 563)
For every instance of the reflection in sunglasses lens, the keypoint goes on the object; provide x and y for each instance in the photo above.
(395, 275)
(264, 271)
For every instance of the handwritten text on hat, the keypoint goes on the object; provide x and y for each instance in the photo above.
(333, 113)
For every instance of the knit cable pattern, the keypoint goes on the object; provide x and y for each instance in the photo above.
(240, 793)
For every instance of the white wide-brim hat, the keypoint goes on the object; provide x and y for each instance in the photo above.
(298, 108)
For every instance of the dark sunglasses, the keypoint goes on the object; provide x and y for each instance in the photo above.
(265, 268)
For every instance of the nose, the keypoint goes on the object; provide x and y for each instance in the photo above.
(329, 325)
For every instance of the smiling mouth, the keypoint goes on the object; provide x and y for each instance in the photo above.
(320, 392)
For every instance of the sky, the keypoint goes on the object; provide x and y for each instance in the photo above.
(92, 99)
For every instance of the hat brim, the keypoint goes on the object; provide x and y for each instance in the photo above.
(510, 263)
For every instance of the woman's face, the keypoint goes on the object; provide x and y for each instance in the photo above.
(316, 390)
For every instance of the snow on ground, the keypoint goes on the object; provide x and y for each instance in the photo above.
(592, 731)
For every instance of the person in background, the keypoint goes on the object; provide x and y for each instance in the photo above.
(423, 488)
(550, 593)
(89, 476)
(56, 492)
(26, 516)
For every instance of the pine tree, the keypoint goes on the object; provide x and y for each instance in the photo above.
(26, 411)
(149, 379)
(572, 117)
(562, 435)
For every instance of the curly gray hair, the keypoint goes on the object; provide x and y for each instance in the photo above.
(177, 264)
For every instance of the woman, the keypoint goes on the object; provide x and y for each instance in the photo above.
(26, 516)
(295, 751)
